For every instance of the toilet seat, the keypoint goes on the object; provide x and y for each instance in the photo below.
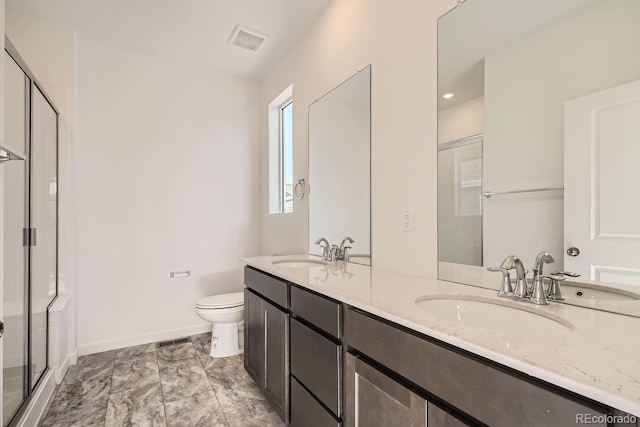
(216, 302)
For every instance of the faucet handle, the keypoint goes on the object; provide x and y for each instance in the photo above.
(554, 293)
(505, 286)
(326, 254)
(567, 273)
(559, 277)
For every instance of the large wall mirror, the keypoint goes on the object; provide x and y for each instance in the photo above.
(539, 141)
(340, 168)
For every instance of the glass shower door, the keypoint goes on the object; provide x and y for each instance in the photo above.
(29, 220)
(460, 202)
(14, 179)
(44, 160)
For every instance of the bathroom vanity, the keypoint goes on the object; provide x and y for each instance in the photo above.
(345, 344)
(266, 337)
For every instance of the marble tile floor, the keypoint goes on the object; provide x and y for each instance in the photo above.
(176, 385)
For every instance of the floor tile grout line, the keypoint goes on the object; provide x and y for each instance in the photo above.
(215, 395)
(161, 388)
(106, 409)
(164, 408)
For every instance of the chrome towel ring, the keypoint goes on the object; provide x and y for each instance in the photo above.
(300, 189)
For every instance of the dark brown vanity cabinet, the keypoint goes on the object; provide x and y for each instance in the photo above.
(266, 338)
(474, 391)
(316, 360)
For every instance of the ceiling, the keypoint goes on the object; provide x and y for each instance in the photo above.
(191, 31)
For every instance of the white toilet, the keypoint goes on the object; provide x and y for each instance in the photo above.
(224, 311)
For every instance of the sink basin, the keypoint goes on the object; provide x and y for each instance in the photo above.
(496, 315)
(576, 293)
(298, 263)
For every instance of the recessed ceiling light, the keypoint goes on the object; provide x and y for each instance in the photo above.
(447, 95)
(247, 38)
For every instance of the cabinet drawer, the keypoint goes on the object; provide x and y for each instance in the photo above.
(306, 411)
(490, 394)
(382, 401)
(316, 363)
(440, 418)
(322, 312)
(267, 286)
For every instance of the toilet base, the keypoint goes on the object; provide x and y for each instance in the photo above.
(224, 340)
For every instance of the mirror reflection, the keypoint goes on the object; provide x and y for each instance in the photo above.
(340, 171)
(550, 92)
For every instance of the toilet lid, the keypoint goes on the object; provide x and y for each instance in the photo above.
(234, 299)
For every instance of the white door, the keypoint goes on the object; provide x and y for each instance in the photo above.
(602, 185)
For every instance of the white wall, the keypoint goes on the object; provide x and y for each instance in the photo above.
(399, 40)
(462, 120)
(526, 85)
(167, 161)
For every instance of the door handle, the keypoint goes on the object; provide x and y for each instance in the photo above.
(1, 329)
(573, 251)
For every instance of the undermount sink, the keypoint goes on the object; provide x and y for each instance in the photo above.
(577, 292)
(298, 263)
(496, 315)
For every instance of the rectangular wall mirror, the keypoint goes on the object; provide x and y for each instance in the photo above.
(340, 168)
(538, 130)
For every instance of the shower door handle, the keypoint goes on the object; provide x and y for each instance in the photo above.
(29, 237)
(1, 329)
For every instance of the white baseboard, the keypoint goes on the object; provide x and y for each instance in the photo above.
(143, 339)
(71, 359)
(39, 400)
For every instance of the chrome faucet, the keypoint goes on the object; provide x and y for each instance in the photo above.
(344, 250)
(326, 249)
(513, 261)
(541, 259)
(334, 252)
(537, 292)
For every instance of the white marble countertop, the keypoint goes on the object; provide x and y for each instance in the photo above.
(599, 359)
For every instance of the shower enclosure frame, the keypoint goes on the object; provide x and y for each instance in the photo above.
(34, 85)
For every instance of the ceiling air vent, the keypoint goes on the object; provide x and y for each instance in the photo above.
(247, 38)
